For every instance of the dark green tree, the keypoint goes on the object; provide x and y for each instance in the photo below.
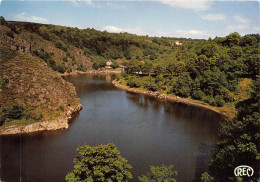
(157, 69)
(2, 21)
(183, 85)
(114, 65)
(159, 174)
(232, 39)
(147, 67)
(99, 163)
(133, 66)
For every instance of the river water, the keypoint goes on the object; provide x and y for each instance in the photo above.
(146, 131)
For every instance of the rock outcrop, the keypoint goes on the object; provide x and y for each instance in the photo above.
(61, 122)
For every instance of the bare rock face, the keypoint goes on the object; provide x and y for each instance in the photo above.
(59, 123)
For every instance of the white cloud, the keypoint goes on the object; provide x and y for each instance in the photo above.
(214, 17)
(29, 18)
(240, 19)
(137, 31)
(240, 23)
(188, 4)
(113, 29)
(196, 34)
(238, 27)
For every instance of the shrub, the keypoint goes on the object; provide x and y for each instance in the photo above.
(134, 82)
(114, 65)
(15, 112)
(151, 86)
(219, 101)
(10, 34)
(99, 163)
(159, 173)
(6, 53)
(62, 108)
(61, 45)
(212, 101)
(81, 67)
(60, 68)
(198, 94)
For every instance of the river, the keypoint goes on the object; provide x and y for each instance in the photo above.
(146, 131)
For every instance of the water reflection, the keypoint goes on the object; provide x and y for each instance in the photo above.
(146, 131)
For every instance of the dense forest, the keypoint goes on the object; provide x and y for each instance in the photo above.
(220, 71)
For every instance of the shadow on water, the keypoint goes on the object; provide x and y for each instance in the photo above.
(202, 160)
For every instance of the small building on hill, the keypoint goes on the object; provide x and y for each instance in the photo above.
(108, 64)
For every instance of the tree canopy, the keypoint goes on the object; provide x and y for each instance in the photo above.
(99, 163)
(159, 174)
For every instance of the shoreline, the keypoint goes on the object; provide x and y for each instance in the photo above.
(61, 122)
(175, 99)
(91, 71)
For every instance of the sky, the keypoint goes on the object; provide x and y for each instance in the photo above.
(167, 18)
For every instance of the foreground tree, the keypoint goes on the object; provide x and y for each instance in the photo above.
(159, 174)
(99, 163)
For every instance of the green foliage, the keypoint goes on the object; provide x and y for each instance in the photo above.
(81, 67)
(238, 142)
(47, 57)
(99, 163)
(157, 69)
(198, 95)
(183, 85)
(159, 174)
(147, 67)
(232, 39)
(99, 62)
(114, 65)
(235, 52)
(134, 82)
(2, 21)
(60, 68)
(15, 112)
(10, 34)
(205, 177)
(18, 112)
(62, 107)
(3, 83)
(210, 49)
(61, 45)
(133, 66)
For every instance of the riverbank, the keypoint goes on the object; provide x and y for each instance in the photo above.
(90, 71)
(61, 122)
(224, 111)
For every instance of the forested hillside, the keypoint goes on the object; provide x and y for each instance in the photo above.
(217, 71)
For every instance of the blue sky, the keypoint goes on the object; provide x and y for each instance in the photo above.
(171, 18)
